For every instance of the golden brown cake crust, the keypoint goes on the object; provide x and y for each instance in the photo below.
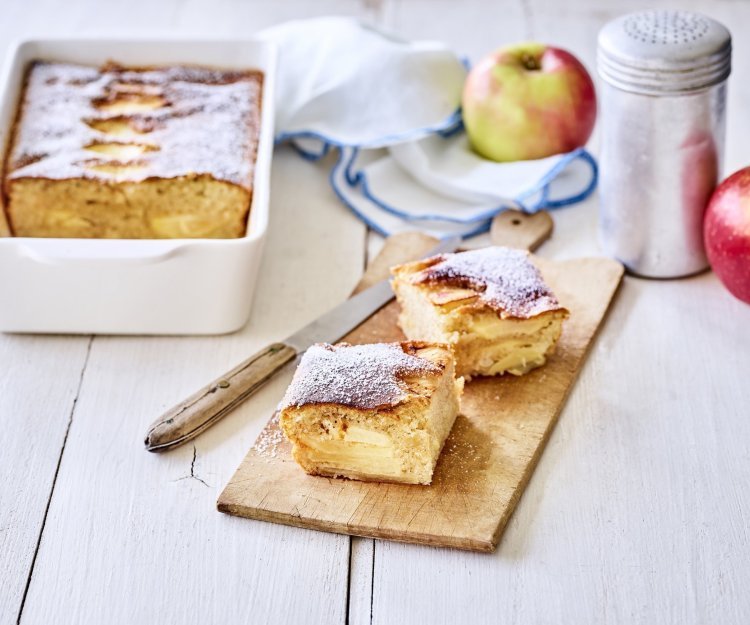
(361, 377)
(500, 278)
(182, 121)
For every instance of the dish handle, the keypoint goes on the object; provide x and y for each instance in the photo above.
(86, 251)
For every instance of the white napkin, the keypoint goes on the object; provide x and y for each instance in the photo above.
(345, 85)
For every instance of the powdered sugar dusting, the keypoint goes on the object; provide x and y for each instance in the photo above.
(504, 278)
(270, 438)
(360, 376)
(207, 122)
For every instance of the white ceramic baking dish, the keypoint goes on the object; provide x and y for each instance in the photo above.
(175, 286)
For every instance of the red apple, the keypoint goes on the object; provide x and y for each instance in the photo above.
(528, 101)
(726, 232)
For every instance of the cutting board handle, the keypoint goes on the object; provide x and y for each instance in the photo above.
(511, 228)
(527, 231)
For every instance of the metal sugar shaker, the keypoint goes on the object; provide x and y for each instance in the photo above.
(663, 107)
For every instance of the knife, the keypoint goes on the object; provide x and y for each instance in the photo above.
(205, 407)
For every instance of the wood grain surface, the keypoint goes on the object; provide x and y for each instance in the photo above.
(487, 459)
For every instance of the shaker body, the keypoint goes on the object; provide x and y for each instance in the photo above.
(662, 110)
(661, 158)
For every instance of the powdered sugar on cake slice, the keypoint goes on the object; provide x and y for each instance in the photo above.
(359, 376)
(503, 278)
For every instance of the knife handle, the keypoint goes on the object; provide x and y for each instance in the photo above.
(205, 407)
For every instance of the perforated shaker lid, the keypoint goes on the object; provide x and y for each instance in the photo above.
(660, 52)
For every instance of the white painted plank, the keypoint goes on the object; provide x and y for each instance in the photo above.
(130, 536)
(38, 384)
(231, 17)
(637, 510)
(207, 18)
(473, 27)
(360, 580)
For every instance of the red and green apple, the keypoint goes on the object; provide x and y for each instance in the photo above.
(528, 101)
(726, 232)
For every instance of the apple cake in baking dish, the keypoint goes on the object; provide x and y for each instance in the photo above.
(116, 152)
(377, 412)
(491, 305)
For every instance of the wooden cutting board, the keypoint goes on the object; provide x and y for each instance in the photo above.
(488, 458)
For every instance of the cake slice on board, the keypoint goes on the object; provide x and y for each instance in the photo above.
(491, 305)
(378, 412)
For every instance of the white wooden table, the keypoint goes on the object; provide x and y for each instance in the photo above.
(638, 512)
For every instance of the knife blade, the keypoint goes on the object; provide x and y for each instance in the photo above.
(208, 405)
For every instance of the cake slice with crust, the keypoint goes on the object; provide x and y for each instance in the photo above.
(377, 412)
(491, 305)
